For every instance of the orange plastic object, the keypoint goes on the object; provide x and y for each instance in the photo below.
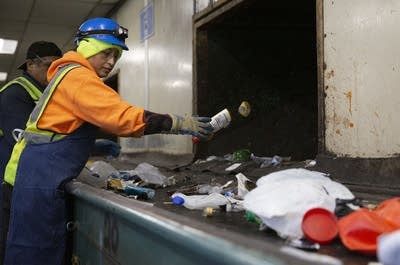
(390, 211)
(319, 225)
(360, 229)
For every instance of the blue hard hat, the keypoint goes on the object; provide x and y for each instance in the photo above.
(103, 29)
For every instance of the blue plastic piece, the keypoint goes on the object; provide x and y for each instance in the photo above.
(142, 193)
(177, 200)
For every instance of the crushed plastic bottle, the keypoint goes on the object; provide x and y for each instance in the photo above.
(199, 202)
(102, 169)
(150, 174)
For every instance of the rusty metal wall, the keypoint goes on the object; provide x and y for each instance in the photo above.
(361, 75)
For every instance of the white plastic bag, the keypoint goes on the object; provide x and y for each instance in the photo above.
(334, 189)
(281, 205)
(389, 248)
(283, 197)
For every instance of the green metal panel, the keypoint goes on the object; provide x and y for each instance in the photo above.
(111, 229)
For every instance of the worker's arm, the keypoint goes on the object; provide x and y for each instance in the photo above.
(171, 123)
(88, 99)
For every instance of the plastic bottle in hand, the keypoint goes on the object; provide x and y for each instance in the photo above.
(199, 202)
(223, 118)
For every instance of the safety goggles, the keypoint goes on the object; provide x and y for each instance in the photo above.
(120, 33)
(42, 62)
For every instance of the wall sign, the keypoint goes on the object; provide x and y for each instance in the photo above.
(147, 22)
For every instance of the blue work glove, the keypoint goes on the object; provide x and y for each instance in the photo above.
(191, 125)
(106, 147)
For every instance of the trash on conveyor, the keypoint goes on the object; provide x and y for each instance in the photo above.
(193, 189)
(389, 248)
(208, 188)
(244, 185)
(269, 161)
(140, 192)
(233, 166)
(252, 218)
(102, 169)
(115, 184)
(319, 225)
(150, 174)
(241, 155)
(214, 158)
(310, 163)
(208, 211)
(282, 198)
(303, 244)
(130, 188)
(333, 188)
(359, 231)
(96, 173)
(101, 174)
(213, 200)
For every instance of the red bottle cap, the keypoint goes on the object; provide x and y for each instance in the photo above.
(319, 225)
(195, 140)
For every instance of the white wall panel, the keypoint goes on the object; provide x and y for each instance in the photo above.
(157, 73)
(362, 77)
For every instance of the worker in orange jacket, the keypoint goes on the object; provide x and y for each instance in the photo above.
(60, 133)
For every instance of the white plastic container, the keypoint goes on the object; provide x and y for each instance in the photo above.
(221, 120)
(199, 202)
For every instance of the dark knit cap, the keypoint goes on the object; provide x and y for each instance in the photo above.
(41, 49)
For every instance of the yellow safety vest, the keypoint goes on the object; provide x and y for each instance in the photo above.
(32, 134)
(29, 87)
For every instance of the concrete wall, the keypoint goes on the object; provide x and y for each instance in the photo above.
(362, 77)
(157, 73)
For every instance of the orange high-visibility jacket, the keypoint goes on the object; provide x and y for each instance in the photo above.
(83, 97)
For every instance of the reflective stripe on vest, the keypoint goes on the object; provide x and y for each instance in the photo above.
(33, 91)
(32, 134)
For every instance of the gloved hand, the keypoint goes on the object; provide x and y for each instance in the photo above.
(191, 125)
